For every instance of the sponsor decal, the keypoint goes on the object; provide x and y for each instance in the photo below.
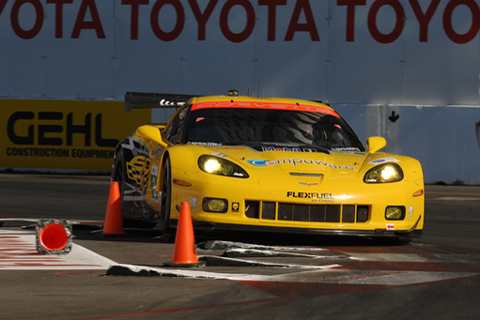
(383, 160)
(193, 203)
(349, 150)
(198, 143)
(261, 163)
(281, 149)
(266, 105)
(314, 196)
(289, 149)
(235, 207)
(308, 184)
(153, 183)
(173, 103)
(137, 170)
(295, 162)
(219, 154)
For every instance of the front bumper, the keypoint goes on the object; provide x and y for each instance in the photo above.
(377, 233)
(346, 207)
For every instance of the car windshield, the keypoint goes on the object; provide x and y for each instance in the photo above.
(234, 126)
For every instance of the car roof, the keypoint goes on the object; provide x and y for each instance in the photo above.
(205, 101)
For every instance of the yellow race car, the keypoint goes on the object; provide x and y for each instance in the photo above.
(266, 165)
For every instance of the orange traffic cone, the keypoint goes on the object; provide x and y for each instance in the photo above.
(113, 218)
(185, 253)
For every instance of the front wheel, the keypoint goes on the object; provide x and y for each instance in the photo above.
(166, 198)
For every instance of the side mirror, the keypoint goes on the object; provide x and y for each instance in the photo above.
(153, 133)
(376, 143)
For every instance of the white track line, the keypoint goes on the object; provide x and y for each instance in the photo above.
(18, 252)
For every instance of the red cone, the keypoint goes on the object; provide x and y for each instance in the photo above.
(113, 218)
(53, 236)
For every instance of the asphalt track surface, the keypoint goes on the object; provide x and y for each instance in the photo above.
(247, 276)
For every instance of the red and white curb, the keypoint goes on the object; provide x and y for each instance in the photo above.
(18, 252)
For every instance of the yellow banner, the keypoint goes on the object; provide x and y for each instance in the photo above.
(60, 134)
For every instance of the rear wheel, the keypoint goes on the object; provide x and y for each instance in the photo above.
(120, 175)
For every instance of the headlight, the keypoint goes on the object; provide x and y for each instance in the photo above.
(220, 166)
(388, 172)
(395, 213)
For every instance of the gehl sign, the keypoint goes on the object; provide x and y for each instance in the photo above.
(51, 134)
(78, 135)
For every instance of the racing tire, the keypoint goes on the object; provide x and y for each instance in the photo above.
(166, 198)
(120, 176)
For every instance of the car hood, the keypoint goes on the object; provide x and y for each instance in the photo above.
(280, 166)
(304, 160)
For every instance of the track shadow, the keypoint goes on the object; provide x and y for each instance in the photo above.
(94, 232)
(296, 239)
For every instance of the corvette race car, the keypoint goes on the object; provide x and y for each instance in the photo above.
(266, 165)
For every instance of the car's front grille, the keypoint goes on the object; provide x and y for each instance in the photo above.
(306, 212)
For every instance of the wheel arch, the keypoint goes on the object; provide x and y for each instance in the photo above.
(165, 155)
(118, 148)
(179, 158)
